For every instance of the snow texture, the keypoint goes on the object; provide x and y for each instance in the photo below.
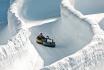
(69, 35)
(91, 57)
(20, 54)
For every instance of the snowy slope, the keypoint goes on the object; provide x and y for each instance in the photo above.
(98, 18)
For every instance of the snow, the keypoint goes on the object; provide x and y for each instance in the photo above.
(88, 58)
(79, 41)
(68, 39)
(19, 54)
(95, 17)
(29, 24)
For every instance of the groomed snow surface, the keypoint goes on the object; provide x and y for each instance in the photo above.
(79, 42)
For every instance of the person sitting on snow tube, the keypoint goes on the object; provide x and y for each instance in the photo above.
(40, 38)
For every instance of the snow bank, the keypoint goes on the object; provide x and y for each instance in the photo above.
(70, 9)
(96, 17)
(19, 54)
(86, 59)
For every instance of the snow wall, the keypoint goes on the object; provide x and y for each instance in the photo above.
(91, 57)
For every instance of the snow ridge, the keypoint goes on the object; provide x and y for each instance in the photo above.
(15, 46)
(85, 59)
